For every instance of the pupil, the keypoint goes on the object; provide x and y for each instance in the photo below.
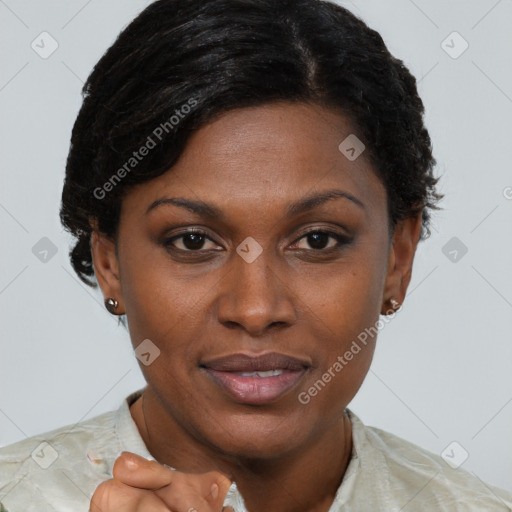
(193, 241)
(318, 240)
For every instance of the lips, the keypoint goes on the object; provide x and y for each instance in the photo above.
(256, 379)
(263, 363)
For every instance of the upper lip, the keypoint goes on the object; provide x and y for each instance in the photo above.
(247, 363)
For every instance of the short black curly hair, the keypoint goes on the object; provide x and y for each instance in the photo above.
(182, 62)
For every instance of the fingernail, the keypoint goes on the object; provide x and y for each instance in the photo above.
(131, 464)
(214, 491)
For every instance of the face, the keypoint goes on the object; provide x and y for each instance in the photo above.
(241, 259)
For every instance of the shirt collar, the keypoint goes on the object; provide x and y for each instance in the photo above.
(127, 432)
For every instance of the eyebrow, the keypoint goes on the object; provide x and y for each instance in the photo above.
(207, 210)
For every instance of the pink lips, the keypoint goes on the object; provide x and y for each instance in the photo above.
(228, 372)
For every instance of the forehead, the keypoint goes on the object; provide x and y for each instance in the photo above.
(264, 155)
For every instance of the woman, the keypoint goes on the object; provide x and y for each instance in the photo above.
(247, 183)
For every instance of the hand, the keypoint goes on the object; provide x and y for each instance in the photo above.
(141, 485)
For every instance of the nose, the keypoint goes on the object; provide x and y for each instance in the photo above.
(256, 296)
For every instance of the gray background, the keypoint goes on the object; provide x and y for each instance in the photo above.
(443, 367)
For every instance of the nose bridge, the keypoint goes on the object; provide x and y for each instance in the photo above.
(255, 295)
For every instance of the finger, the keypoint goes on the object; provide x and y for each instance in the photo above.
(213, 485)
(228, 509)
(204, 489)
(136, 471)
(114, 496)
(175, 488)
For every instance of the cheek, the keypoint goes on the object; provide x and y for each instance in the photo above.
(347, 298)
(160, 302)
(346, 344)
(166, 306)
(346, 309)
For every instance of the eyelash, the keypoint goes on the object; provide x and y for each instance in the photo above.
(342, 240)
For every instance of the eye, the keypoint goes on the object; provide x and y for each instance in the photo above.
(319, 240)
(196, 240)
(190, 241)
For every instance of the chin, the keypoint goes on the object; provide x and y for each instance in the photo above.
(257, 436)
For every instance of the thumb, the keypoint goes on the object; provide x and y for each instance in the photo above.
(137, 471)
(228, 509)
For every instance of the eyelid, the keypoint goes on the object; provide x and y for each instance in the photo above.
(341, 239)
(199, 231)
(321, 229)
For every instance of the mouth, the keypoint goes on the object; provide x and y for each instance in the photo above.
(256, 380)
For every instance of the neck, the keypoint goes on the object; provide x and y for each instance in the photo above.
(304, 480)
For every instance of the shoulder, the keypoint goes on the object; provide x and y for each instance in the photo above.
(61, 467)
(424, 479)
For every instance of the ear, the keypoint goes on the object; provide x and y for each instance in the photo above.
(403, 248)
(106, 266)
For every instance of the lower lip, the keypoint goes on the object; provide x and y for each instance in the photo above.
(256, 390)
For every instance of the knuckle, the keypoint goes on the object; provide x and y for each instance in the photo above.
(100, 496)
(110, 494)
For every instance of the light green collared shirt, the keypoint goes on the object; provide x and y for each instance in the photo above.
(58, 471)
